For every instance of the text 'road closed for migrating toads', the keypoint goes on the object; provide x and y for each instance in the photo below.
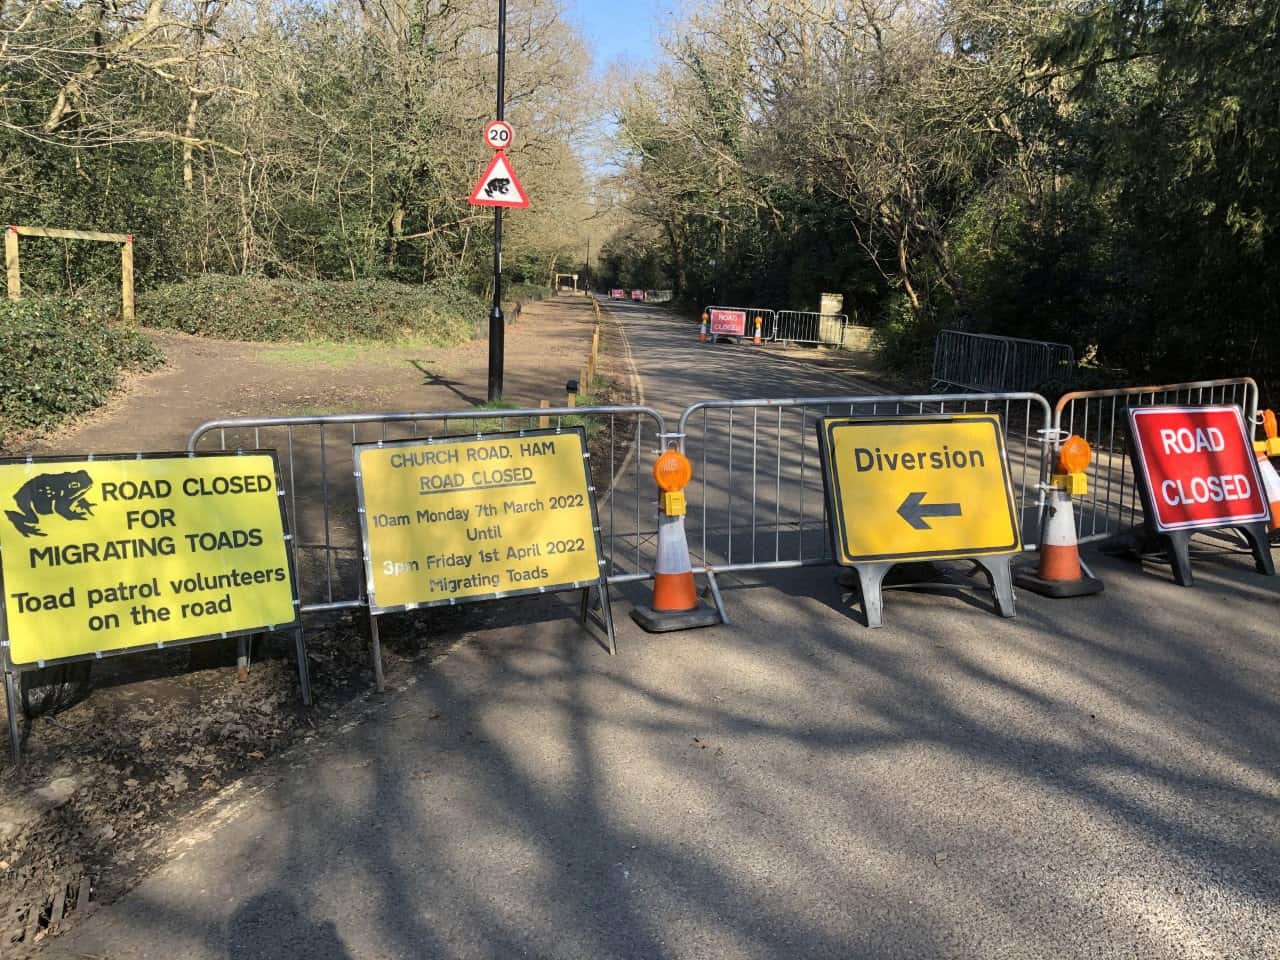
(114, 553)
(466, 518)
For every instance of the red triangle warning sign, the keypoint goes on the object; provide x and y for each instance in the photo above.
(498, 186)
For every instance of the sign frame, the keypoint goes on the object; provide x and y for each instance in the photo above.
(493, 125)
(1177, 536)
(12, 670)
(601, 582)
(995, 561)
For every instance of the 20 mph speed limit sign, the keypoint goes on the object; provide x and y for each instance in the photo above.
(498, 134)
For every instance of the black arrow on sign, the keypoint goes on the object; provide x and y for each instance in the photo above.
(914, 512)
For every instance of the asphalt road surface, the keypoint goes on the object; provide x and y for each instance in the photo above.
(1095, 778)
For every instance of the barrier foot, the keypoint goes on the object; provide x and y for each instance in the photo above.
(871, 586)
(304, 669)
(375, 649)
(11, 702)
(1180, 557)
(1256, 534)
(715, 596)
(999, 573)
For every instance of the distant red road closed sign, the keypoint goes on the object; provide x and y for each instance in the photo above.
(1198, 467)
(731, 323)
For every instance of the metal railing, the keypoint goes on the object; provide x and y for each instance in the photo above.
(802, 326)
(1113, 502)
(317, 473)
(757, 499)
(983, 362)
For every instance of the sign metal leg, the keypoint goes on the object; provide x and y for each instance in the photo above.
(1180, 557)
(1256, 534)
(605, 620)
(304, 669)
(1001, 577)
(870, 583)
(375, 647)
(606, 608)
(11, 702)
(242, 657)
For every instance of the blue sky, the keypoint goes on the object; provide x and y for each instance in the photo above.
(626, 29)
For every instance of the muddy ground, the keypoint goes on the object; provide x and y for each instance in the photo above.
(163, 739)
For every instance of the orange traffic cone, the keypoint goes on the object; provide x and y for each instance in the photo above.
(759, 323)
(675, 596)
(1271, 487)
(702, 331)
(1061, 574)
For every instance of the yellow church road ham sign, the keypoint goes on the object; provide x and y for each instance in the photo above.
(916, 488)
(459, 519)
(112, 553)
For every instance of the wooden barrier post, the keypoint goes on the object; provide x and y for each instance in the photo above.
(126, 281)
(11, 263)
(544, 421)
(57, 233)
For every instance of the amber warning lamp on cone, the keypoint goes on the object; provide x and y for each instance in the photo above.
(672, 471)
(1073, 459)
(1270, 444)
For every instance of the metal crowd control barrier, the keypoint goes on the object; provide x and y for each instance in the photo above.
(1113, 503)
(981, 361)
(757, 502)
(763, 313)
(801, 326)
(316, 464)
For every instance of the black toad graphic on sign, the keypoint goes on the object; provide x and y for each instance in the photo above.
(49, 493)
(496, 185)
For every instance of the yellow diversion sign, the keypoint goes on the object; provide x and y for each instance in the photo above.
(456, 519)
(905, 488)
(113, 553)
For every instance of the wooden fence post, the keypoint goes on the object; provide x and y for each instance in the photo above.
(126, 280)
(11, 263)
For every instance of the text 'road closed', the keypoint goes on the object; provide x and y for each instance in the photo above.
(1197, 467)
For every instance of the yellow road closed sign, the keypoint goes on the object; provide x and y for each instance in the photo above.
(115, 553)
(927, 487)
(463, 518)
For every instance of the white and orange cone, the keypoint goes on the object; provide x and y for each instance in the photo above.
(675, 595)
(702, 331)
(758, 341)
(1271, 487)
(1061, 574)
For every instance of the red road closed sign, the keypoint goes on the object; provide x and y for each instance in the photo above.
(731, 323)
(617, 294)
(1197, 466)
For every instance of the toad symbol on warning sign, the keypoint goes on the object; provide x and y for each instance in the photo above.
(499, 186)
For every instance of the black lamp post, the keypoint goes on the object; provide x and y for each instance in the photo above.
(497, 328)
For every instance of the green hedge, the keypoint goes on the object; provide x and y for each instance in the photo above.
(261, 309)
(60, 357)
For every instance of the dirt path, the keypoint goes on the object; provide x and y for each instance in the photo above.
(165, 739)
(210, 379)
